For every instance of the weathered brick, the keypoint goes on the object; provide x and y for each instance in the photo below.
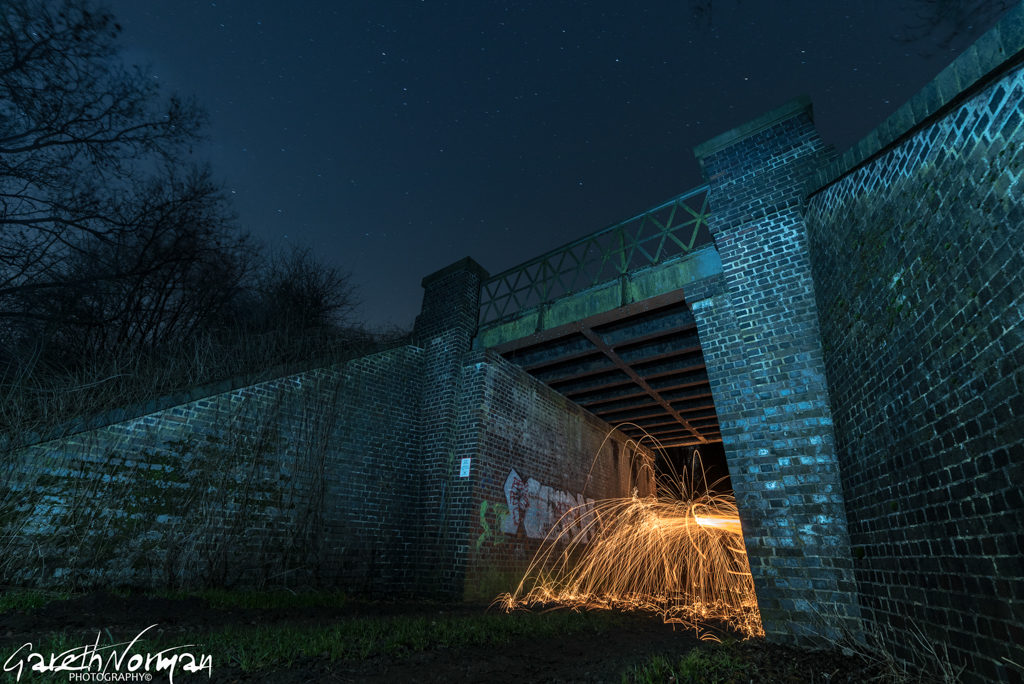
(920, 288)
(760, 339)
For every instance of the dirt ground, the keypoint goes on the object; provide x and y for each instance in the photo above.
(582, 657)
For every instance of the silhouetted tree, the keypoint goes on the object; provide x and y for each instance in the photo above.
(171, 276)
(119, 256)
(93, 200)
(301, 293)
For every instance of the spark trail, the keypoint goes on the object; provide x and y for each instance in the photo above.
(679, 554)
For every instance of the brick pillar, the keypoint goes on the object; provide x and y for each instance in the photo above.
(445, 329)
(758, 326)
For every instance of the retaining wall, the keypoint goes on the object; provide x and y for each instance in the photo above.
(287, 481)
(347, 476)
(918, 254)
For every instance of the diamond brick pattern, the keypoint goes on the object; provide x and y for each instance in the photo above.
(918, 259)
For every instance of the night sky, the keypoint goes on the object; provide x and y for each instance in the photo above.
(394, 138)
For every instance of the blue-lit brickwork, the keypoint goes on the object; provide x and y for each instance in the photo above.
(516, 424)
(918, 258)
(445, 328)
(478, 406)
(864, 343)
(759, 334)
(346, 476)
(297, 480)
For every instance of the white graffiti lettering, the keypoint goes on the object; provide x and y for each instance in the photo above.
(539, 509)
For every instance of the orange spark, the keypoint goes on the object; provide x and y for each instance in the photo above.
(679, 554)
(730, 525)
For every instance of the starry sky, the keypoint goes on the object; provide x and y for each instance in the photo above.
(393, 137)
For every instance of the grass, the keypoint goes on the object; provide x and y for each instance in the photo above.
(256, 648)
(57, 644)
(259, 649)
(710, 664)
(40, 401)
(263, 600)
(27, 600)
(262, 648)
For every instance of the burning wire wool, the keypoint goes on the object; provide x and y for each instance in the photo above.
(679, 554)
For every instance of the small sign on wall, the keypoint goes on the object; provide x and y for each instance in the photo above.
(464, 468)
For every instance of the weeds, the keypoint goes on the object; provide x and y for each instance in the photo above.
(159, 501)
(256, 648)
(710, 664)
(288, 642)
(38, 402)
(865, 656)
(875, 645)
(27, 600)
(263, 600)
(262, 648)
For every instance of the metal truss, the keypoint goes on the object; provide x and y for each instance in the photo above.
(665, 231)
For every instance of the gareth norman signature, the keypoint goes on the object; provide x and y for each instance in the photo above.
(89, 658)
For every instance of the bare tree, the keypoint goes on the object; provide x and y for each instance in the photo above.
(122, 268)
(297, 292)
(175, 272)
(77, 132)
(108, 234)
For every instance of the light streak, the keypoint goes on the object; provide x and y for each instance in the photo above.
(679, 554)
(731, 525)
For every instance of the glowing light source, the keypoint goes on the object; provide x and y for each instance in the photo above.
(731, 525)
(679, 554)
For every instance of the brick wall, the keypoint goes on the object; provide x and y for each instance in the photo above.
(445, 329)
(759, 334)
(535, 456)
(295, 480)
(344, 476)
(371, 501)
(918, 256)
(899, 281)
(477, 406)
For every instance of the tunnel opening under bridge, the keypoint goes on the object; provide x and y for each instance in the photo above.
(676, 549)
(640, 369)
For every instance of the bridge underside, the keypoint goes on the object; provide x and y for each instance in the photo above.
(639, 366)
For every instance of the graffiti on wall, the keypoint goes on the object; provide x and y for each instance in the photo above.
(491, 517)
(538, 509)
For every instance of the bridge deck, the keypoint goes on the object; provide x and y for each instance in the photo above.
(603, 321)
(640, 367)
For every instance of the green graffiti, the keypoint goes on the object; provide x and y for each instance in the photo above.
(491, 529)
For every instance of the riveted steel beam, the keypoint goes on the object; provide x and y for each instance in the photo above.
(649, 371)
(548, 353)
(578, 368)
(628, 370)
(572, 388)
(661, 347)
(653, 324)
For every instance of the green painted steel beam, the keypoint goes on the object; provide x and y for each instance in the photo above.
(655, 323)
(637, 286)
